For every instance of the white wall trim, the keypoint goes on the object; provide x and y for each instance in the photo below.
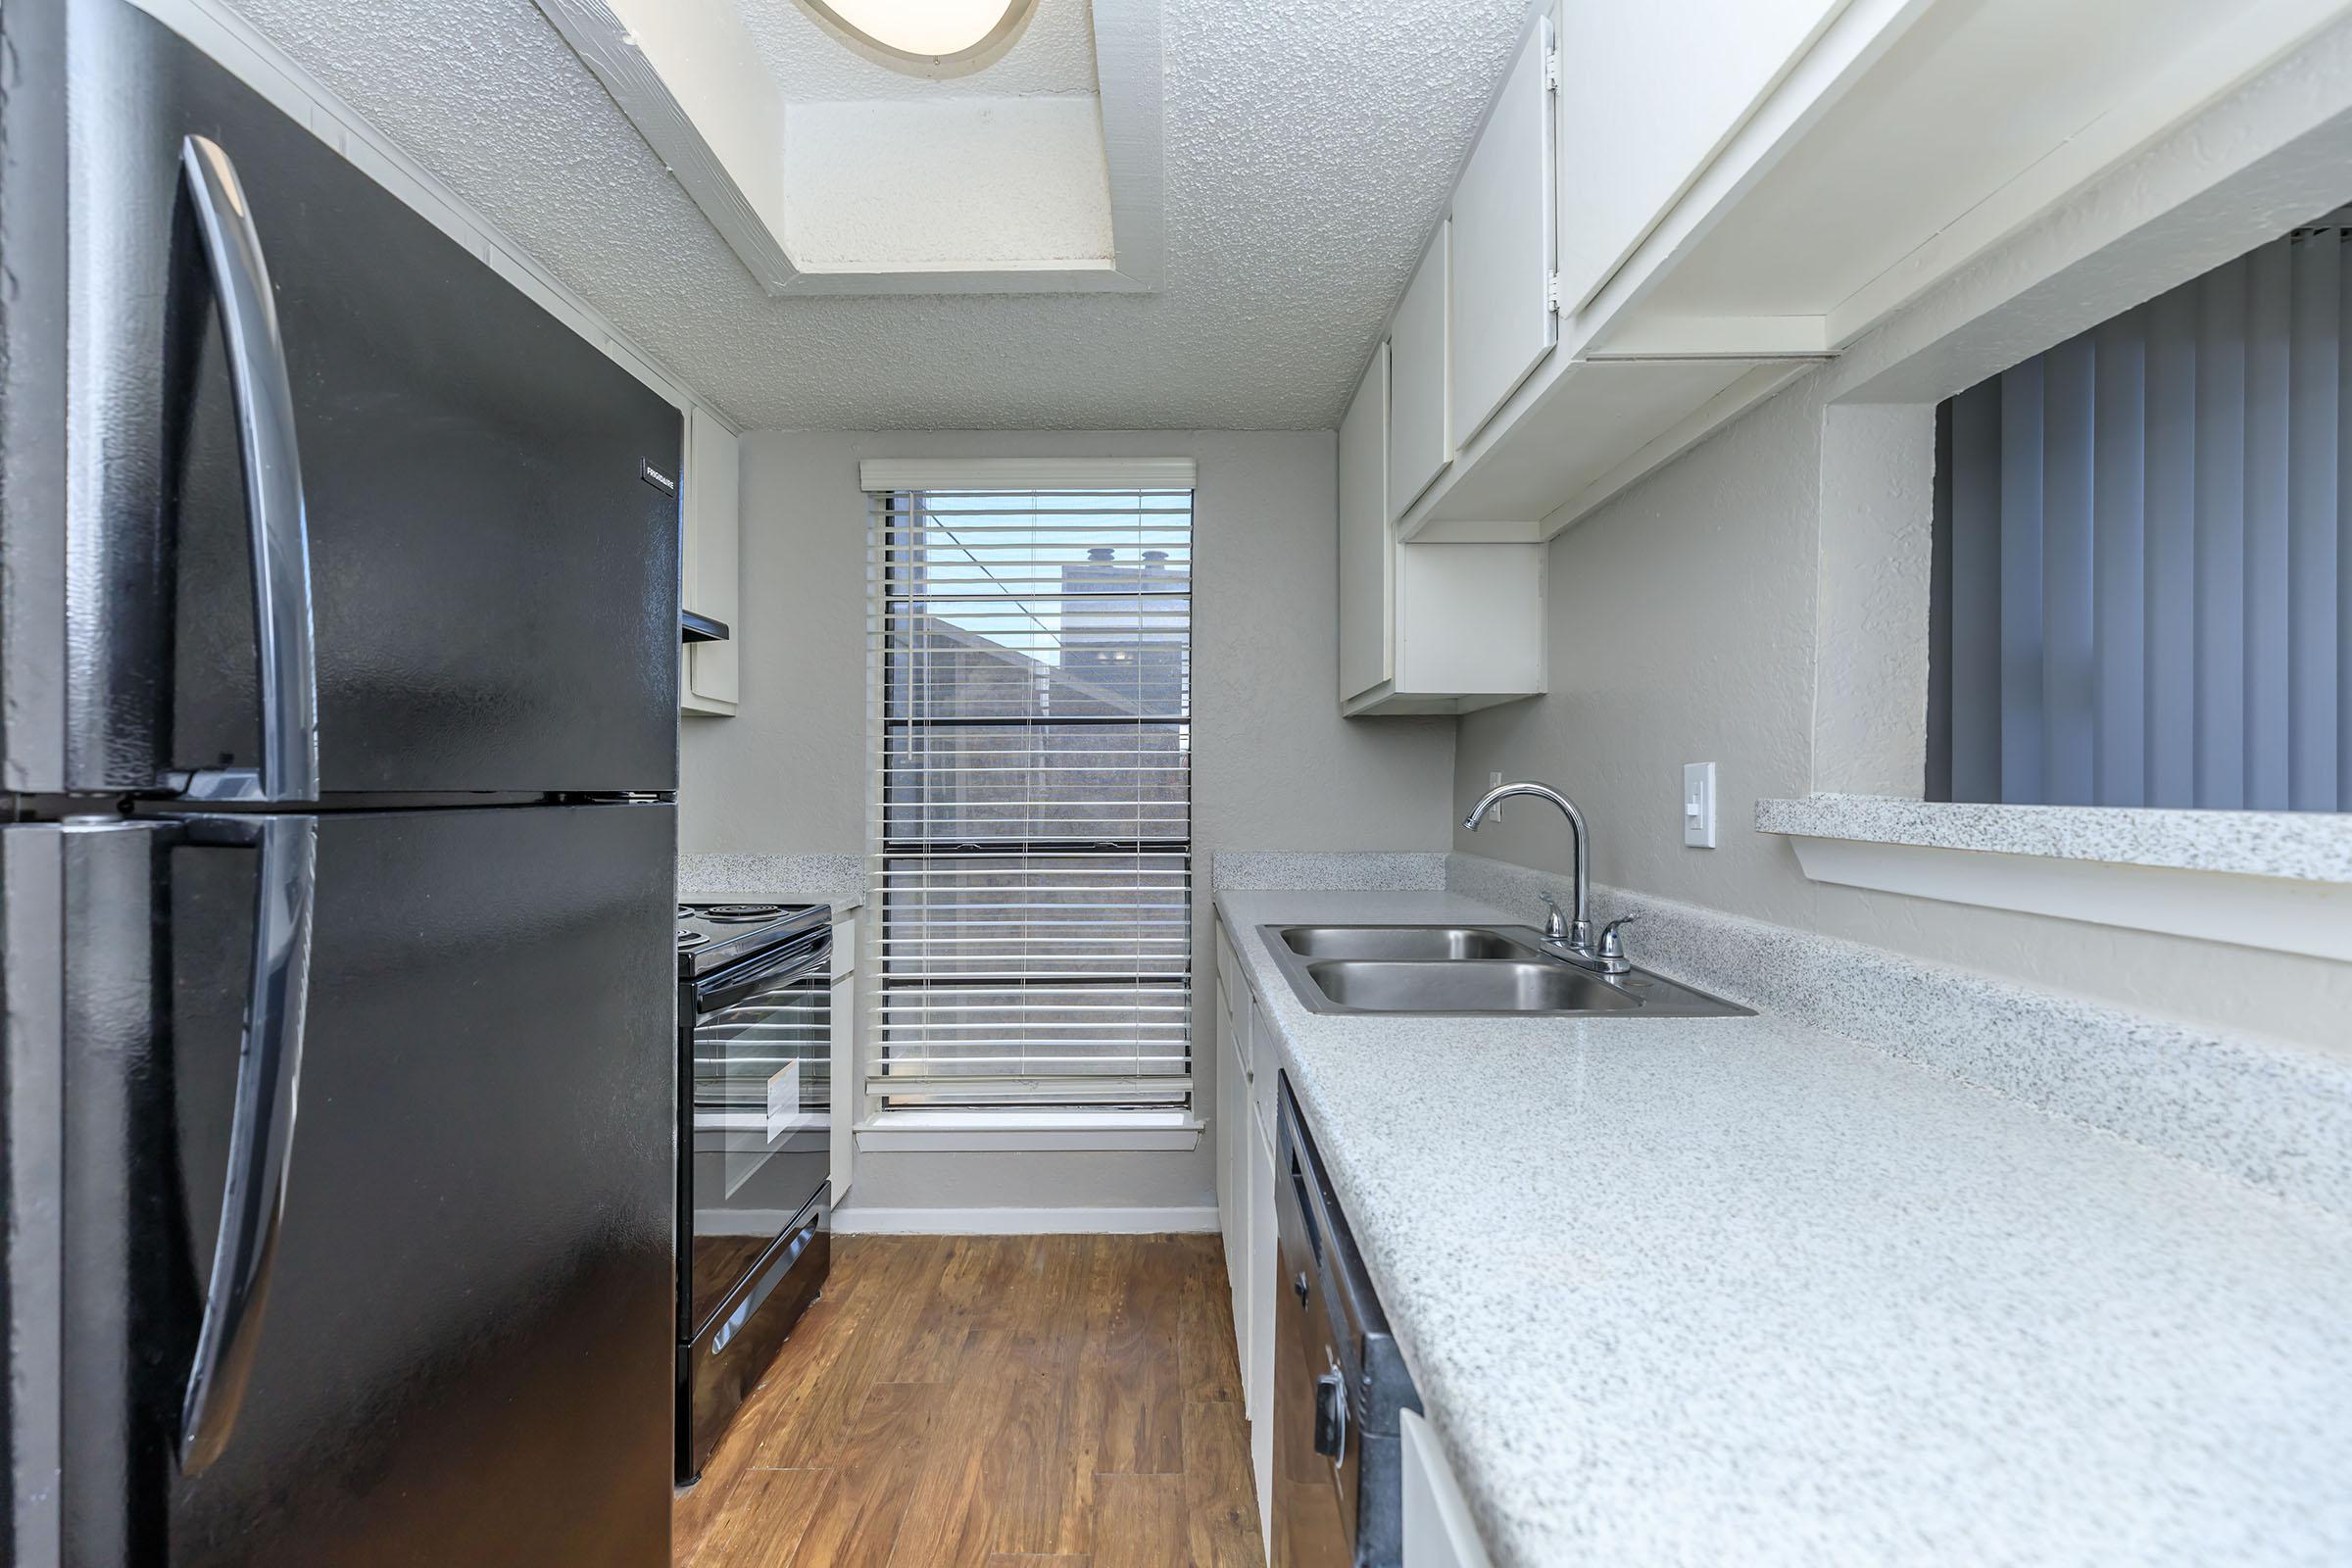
(856, 1220)
(2314, 918)
(1027, 473)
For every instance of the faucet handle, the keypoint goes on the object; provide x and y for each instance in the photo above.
(1555, 924)
(1611, 947)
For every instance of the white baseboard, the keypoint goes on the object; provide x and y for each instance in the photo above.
(854, 1220)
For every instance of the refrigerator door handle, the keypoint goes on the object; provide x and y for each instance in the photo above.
(262, 1129)
(280, 532)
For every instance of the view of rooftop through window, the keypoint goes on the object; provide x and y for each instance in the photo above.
(1034, 828)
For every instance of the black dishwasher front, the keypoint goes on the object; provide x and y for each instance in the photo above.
(1340, 1382)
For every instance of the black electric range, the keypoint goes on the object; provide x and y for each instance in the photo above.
(754, 1144)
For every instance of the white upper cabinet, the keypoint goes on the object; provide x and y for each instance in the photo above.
(1907, 140)
(1420, 379)
(1367, 550)
(1648, 94)
(708, 564)
(1741, 189)
(1424, 628)
(1503, 235)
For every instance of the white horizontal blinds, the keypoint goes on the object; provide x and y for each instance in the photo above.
(2146, 579)
(1033, 820)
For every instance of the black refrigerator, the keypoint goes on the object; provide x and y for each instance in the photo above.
(338, 680)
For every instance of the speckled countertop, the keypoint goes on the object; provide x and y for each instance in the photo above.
(835, 879)
(2304, 845)
(1736, 1291)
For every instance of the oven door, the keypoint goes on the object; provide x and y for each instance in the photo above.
(760, 1124)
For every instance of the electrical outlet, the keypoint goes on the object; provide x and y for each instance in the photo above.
(1494, 781)
(1698, 804)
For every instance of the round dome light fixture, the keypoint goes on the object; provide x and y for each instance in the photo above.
(929, 33)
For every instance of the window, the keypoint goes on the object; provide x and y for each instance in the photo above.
(1033, 815)
(2142, 580)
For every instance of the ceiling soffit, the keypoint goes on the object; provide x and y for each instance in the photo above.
(828, 172)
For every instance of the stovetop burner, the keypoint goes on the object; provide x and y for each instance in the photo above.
(740, 911)
(714, 936)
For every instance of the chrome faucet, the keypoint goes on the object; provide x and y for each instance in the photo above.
(1571, 935)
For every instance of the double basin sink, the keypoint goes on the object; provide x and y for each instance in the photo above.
(1457, 969)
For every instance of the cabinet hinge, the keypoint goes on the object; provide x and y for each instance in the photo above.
(1551, 68)
(1551, 293)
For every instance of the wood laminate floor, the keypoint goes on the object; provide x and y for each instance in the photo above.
(1021, 1402)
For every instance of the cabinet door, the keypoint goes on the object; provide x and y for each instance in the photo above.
(1648, 94)
(1367, 547)
(1504, 234)
(1233, 1183)
(1257, 1372)
(1420, 380)
(1438, 1532)
(1264, 1070)
(1222, 1022)
(710, 560)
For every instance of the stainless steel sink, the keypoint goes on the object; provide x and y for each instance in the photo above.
(1501, 971)
(1483, 986)
(1449, 942)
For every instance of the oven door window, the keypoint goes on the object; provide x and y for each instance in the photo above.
(762, 1142)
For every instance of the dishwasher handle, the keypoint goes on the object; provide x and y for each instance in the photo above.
(1330, 1412)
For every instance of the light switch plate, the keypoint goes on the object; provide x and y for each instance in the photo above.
(1698, 804)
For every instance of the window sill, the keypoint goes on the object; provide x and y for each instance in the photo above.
(1016, 1131)
(2279, 880)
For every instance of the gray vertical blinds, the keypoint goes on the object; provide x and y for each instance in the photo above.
(1032, 820)
(2143, 572)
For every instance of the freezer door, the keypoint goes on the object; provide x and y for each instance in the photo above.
(460, 1343)
(489, 502)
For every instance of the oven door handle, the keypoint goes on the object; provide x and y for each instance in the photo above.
(789, 965)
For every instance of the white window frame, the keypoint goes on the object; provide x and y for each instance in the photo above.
(1044, 1129)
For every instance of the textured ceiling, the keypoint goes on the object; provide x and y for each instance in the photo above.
(1309, 145)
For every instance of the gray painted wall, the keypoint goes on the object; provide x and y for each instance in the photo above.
(1274, 765)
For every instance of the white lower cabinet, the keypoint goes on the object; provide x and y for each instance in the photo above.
(1233, 1197)
(1257, 1372)
(1246, 1077)
(1438, 1533)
